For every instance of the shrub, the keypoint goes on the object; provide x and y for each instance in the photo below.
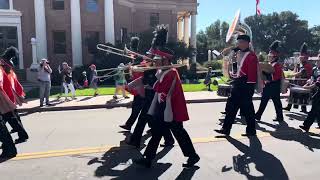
(216, 65)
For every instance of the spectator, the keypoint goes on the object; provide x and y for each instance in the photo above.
(120, 82)
(61, 76)
(94, 79)
(44, 78)
(67, 81)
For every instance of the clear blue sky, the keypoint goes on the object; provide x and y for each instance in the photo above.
(212, 10)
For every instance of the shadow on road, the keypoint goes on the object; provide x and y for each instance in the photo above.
(296, 116)
(187, 173)
(266, 163)
(284, 132)
(117, 163)
(86, 99)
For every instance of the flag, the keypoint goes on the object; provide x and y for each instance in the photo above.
(258, 10)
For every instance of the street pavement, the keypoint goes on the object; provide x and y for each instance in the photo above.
(88, 144)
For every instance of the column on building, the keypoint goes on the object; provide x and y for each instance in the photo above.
(76, 38)
(11, 4)
(41, 30)
(186, 26)
(193, 39)
(109, 21)
(179, 28)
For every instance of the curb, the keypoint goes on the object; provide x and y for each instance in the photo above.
(111, 106)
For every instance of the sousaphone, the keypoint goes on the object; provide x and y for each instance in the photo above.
(236, 28)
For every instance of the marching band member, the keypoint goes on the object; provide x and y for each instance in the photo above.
(94, 79)
(148, 79)
(7, 105)
(272, 87)
(13, 118)
(168, 107)
(315, 110)
(243, 89)
(304, 72)
(138, 101)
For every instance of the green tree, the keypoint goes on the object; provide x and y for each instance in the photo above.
(285, 26)
(212, 38)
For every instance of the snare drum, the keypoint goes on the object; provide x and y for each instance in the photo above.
(300, 96)
(224, 90)
(298, 81)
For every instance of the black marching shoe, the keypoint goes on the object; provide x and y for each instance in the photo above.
(8, 154)
(222, 131)
(191, 161)
(287, 108)
(256, 117)
(143, 162)
(304, 128)
(278, 120)
(125, 127)
(223, 112)
(167, 145)
(20, 140)
(247, 134)
(13, 131)
(131, 143)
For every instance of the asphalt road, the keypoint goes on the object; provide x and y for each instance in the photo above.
(90, 145)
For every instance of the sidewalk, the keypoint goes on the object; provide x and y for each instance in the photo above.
(107, 102)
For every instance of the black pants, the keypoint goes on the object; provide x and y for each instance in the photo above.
(137, 105)
(14, 121)
(271, 91)
(145, 118)
(313, 114)
(241, 98)
(229, 103)
(6, 139)
(161, 128)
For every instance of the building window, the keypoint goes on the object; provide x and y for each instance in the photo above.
(92, 5)
(4, 4)
(58, 4)
(92, 39)
(59, 42)
(124, 35)
(154, 19)
(8, 37)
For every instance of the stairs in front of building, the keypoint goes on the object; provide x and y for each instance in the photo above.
(22, 77)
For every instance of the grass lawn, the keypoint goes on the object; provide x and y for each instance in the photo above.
(110, 90)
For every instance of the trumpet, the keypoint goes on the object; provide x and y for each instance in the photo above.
(124, 53)
(142, 69)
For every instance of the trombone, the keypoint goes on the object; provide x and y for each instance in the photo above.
(124, 53)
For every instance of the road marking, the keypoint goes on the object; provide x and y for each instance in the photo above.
(100, 149)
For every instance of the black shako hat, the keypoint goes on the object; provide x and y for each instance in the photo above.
(244, 37)
(304, 49)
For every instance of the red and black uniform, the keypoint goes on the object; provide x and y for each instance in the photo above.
(169, 111)
(6, 106)
(14, 117)
(242, 93)
(272, 90)
(315, 110)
